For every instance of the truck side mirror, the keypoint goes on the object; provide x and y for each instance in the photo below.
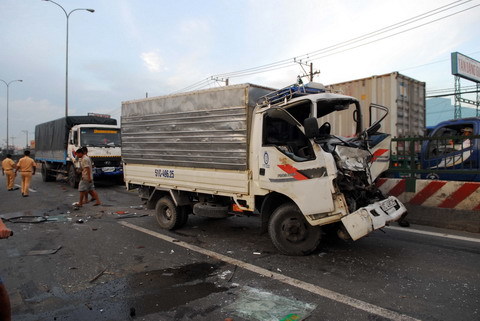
(311, 127)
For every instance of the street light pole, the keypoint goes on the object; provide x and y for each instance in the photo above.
(8, 86)
(67, 15)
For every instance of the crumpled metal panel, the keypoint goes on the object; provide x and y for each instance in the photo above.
(205, 129)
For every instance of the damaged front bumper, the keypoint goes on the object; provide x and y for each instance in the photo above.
(372, 217)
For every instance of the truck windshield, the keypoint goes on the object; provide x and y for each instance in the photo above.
(100, 137)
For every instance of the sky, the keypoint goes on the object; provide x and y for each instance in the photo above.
(128, 48)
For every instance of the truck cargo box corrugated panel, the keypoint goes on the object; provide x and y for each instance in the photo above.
(203, 129)
(404, 96)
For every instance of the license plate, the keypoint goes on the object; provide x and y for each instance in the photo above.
(108, 169)
(388, 205)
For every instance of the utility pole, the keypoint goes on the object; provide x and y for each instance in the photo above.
(26, 132)
(307, 64)
(13, 143)
(220, 79)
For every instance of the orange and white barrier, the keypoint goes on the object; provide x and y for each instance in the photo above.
(434, 193)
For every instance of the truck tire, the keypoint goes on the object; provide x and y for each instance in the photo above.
(73, 178)
(46, 176)
(291, 233)
(168, 215)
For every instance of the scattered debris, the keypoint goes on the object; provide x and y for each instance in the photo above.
(98, 275)
(137, 207)
(44, 252)
(255, 304)
(79, 221)
(257, 253)
(131, 216)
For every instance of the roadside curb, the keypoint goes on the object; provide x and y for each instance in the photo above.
(454, 219)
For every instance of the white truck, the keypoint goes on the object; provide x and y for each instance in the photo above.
(252, 150)
(57, 141)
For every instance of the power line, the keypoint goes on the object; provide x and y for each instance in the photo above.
(318, 53)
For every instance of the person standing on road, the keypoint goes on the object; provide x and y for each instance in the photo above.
(27, 168)
(8, 167)
(86, 183)
(5, 310)
(85, 151)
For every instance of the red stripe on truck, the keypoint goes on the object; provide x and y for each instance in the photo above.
(377, 154)
(289, 169)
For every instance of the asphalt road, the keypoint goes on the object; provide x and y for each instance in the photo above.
(95, 264)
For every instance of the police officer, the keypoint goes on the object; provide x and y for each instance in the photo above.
(27, 168)
(8, 167)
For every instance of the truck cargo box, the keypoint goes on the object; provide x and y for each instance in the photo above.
(404, 96)
(51, 138)
(200, 129)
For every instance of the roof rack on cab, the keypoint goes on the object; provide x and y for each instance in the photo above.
(285, 94)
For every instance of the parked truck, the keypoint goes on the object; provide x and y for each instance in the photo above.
(57, 142)
(247, 149)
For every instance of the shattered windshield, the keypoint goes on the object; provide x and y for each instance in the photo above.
(100, 137)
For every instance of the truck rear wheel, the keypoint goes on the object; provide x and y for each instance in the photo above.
(291, 233)
(73, 178)
(168, 215)
(46, 176)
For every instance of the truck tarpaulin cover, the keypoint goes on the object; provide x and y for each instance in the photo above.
(51, 138)
(201, 129)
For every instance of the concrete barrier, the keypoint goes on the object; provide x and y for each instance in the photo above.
(446, 204)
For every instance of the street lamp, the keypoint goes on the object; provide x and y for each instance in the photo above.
(66, 54)
(8, 85)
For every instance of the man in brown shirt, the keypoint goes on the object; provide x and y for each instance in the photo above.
(8, 167)
(27, 168)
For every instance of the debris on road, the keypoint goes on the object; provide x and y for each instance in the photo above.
(98, 275)
(256, 304)
(44, 252)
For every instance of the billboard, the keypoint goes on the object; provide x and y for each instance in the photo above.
(465, 67)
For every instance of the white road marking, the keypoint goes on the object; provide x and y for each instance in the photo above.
(31, 190)
(341, 298)
(444, 235)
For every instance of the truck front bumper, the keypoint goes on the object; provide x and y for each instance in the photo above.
(372, 217)
(107, 171)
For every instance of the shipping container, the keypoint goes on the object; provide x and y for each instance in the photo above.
(404, 97)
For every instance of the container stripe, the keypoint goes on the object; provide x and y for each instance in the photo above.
(426, 192)
(398, 189)
(459, 195)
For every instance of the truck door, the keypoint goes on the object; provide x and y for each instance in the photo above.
(292, 166)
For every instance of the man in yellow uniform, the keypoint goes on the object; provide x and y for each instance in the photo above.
(8, 167)
(27, 168)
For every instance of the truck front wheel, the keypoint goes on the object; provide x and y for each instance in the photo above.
(291, 233)
(168, 215)
(46, 176)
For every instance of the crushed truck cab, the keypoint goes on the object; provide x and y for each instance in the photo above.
(252, 150)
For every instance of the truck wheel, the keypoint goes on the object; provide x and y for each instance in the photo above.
(46, 177)
(168, 215)
(73, 179)
(291, 233)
